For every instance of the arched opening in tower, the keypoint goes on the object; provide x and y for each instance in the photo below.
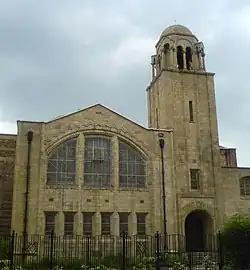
(188, 58)
(166, 55)
(198, 231)
(180, 60)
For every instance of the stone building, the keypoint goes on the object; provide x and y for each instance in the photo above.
(96, 172)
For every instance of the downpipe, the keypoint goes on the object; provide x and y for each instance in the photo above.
(26, 204)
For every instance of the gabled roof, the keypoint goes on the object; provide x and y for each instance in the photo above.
(91, 107)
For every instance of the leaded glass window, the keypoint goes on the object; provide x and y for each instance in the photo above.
(62, 164)
(245, 186)
(87, 223)
(141, 223)
(106, 223)
(50, 222)
(123, 220)
(69, 223)
(131, 167)
(97, 162)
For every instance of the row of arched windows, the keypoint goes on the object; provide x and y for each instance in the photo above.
(180, 57)
(98, 160)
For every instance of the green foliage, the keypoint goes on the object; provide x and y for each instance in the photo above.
(4, 249)
(236, 240)
(177, 262)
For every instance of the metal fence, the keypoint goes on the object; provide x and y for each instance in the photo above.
(105, 252)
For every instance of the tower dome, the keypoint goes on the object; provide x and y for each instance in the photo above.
(176, 29)
(178, 49)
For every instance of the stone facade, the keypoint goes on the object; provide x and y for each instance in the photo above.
(7, 164)
(182, 111)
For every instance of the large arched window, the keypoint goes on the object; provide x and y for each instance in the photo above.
(62, 164)
(97, 162)
(131, 167)
(245, 186)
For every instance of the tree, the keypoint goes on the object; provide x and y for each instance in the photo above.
(236, 241)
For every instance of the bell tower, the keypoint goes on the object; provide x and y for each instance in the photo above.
(181, 97)
(178, 53)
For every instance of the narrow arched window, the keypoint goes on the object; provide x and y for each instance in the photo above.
(159, 62)
(245, 186)
(180, 60)
(166, 56)
(166, 47)
(188, 58)
(61, 167)
(97, 162)
(131, 167)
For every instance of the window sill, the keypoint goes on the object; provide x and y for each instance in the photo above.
(74, 186)
(132, 189)
(247, 197)
(62, 186)
(95, 188)
(196, 194)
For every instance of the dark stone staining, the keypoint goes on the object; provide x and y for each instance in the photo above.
(6, 189)
(7, 159)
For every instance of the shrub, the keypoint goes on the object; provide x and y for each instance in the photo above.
(235, 241)
(4, 249)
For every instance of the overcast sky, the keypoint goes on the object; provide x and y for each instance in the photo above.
(58, 56)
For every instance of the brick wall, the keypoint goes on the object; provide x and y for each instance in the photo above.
(228, 157)
(7, 159)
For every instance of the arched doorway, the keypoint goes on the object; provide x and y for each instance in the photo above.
(198, 226)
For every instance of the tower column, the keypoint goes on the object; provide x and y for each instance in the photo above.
(170, 57)
(174, 57)
(203, 61)
(184, 60)
(195, 60)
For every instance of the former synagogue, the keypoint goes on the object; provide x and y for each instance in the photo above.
(95, 172)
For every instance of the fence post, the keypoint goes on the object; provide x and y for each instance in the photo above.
(12, 248)
(51, 250)
(157, 250)
(123, 250)
(88, 250)
(221, 257)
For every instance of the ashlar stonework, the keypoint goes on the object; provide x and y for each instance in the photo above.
(204, 186)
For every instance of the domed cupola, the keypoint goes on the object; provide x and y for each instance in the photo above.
(178, 48)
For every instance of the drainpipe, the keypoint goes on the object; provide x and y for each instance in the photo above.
(162, 144)
(25, 219)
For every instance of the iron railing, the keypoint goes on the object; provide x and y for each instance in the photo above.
(108, 252)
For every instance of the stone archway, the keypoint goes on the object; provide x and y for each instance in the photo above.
(198, 226)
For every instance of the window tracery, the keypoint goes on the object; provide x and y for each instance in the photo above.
(131, 167)
(97, 162)
(62, 164)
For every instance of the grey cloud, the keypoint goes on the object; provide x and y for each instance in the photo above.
(57, 56)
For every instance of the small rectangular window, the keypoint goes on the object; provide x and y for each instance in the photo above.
(195, 179)
(69, 224)
(87, 223)
(106, 223)
(123, 222)
(191, 112)
(141, 223)
(50, 222)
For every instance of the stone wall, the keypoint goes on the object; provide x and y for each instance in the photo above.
(234, 202)
(7, 160)
(100, 121)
